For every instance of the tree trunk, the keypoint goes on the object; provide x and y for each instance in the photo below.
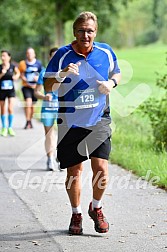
(59, 40)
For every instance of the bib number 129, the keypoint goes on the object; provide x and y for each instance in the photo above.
(87, 98)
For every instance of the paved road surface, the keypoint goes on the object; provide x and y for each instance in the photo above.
(35, 211)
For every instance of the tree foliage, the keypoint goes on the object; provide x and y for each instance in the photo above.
(140, 23)
(41, 24)
(44, 24)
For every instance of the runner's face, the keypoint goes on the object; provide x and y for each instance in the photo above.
(5, 57)
(30, 54)
(85, 33)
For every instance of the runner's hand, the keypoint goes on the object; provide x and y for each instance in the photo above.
(70, 69)
(48, 97)
(4, 71)
(105, 87)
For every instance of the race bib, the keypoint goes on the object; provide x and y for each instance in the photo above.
(6, 84)
(50, 105)
(30, 77)
(88, 98)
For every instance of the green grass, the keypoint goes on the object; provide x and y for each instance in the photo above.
(145, 62)
(132, 141)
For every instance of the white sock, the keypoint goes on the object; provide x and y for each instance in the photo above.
(50, 157)
(76, 209)
(96, 203)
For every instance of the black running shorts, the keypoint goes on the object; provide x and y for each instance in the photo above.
(75, 145)
(28, 93)
(7, 94)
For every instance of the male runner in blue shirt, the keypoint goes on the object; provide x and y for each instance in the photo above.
(84, 73)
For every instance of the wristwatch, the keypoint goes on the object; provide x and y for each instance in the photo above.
(115, 82)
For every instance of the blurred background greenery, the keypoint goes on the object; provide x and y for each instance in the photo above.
(123, 23)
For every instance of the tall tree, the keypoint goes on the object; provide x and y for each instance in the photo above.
(42, 24)
(55, 14)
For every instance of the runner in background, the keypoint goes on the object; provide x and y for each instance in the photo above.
(8, 74)
(48, 115)
(29, 69)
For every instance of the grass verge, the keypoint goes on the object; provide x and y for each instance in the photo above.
(132, 149)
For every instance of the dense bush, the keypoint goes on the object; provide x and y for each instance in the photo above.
(156, 110)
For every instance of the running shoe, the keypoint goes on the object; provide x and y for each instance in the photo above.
(50, 164)
(4, 132)
(101, 223)
(28, 125)
(11, 132)
(75, 227)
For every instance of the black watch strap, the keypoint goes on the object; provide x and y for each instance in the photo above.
(115, 82)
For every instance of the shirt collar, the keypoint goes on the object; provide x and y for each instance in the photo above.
(74, 47)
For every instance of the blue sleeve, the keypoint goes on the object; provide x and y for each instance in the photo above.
(40, 78)
(40, 67)
(116, 68)
(53, 65)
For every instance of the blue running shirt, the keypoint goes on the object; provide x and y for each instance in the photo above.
(79, 98)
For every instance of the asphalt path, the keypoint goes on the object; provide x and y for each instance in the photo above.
(35, 210)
